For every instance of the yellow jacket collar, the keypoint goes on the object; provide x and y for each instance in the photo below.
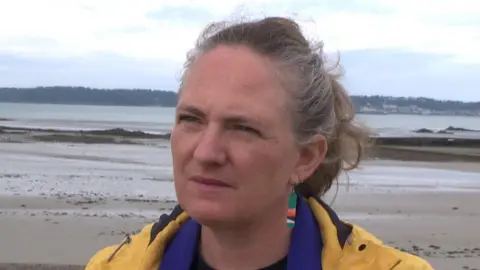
(345, 246)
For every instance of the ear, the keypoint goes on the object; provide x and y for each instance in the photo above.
(311, 156)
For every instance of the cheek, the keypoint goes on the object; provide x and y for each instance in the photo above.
(178, 142)
(179, 159)
(265, 166)
(179, 149)
(263, 174)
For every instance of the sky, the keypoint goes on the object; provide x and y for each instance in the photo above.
(427, 48)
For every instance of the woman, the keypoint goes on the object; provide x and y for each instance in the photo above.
(262, 129)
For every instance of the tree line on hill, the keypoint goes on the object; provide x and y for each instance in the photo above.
(89, 96)
(421, 102)
(147, 97)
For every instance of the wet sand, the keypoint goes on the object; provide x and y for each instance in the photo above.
(442, 227)
(453, 145)
(52, 231)
(61, 202)
(21, 266)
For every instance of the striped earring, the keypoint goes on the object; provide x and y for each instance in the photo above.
(292, 209)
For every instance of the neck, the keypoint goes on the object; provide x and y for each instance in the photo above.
(250, 247)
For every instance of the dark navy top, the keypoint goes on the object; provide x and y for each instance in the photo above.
(304, 252)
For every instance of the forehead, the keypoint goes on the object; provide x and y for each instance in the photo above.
(235, 78)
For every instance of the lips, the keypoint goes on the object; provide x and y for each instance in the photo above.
(209, 182)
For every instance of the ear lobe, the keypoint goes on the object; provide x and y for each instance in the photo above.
(312, 155)
(295, 180)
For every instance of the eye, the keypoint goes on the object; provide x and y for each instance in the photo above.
(187, 118)
(247, 129)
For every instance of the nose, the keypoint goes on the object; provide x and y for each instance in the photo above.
(210, 149)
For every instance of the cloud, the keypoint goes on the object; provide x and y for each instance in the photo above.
(187, 15)
(404, 73)
(165, 29)
(371, 72)
(99, 70)
(149, 40)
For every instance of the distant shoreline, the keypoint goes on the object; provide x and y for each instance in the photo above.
(74, 95)
(424, 147)
(89, 104)
(419, 114)
(173, 106)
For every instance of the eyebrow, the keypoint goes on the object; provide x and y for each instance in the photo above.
(191, 109)
(230, 119)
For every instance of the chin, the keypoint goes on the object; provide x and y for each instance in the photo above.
(209, 213)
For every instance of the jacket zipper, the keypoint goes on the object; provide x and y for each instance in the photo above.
(127, 240)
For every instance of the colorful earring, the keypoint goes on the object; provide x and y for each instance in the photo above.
(292, 209)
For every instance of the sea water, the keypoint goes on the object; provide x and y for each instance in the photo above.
(161, 119)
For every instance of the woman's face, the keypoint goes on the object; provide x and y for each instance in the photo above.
(234, 155)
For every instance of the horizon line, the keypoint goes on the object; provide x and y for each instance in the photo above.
(173, 91)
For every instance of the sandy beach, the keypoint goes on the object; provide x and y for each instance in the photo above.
(62, 201)
(440, 226)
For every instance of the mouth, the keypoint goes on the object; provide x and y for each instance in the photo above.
(210, 182)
